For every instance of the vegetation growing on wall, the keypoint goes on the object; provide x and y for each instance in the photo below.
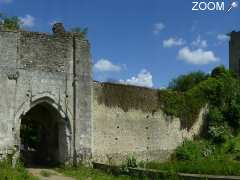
(10, 22)
(80, 31)
(185, 82)
(184, 98)
(128, 97)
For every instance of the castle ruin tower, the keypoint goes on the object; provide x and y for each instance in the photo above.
(234, 52)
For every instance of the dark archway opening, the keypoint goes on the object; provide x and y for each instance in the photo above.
(39, 135)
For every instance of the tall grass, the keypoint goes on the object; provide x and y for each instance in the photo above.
(18, 173)
(83, 173)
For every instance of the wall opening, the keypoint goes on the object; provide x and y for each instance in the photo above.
(43, 136)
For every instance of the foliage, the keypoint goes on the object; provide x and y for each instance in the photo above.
(80, 31)
(188, 94)
(186, 82)
(221, 92)
(219, 133)
(185, 105)
(203, 166)
(221, 70)
(194, 150)
(218, 71)
(82, 173)
(131, 162)
(220, 152)
(18, 173)
(188, 151)
(215, 116)
(10, 22)
(204, 157)
(127, 97)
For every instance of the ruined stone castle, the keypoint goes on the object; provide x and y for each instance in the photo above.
(47, 88)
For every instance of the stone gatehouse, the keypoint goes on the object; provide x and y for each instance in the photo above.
(47, 90)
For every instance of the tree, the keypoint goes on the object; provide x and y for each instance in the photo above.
(10, 22)
(188, 81)
(221, 71)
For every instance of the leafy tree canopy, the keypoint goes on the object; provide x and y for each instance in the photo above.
(188, 81)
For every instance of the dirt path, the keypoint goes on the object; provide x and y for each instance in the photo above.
(48, 174)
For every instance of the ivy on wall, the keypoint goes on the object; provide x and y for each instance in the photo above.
(220, 90)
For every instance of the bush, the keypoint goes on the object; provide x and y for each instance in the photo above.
(221, 70)
(132, 162)
(215, 116)
(194, 150)
(185, 105)
(188, 81)
(188, 151)
(219, 133)
(218, 71)
(232, 115)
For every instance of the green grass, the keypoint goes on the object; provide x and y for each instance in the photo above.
(18, 173)
(206, 166)
(203, 157)
(83, 173)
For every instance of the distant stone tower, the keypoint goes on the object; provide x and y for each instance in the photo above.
(234, 52)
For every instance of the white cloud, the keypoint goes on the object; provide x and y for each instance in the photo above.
(143, 78)
(199, 42)
(197, 57)
(158, 27)
(104, 65)
(5, 1)
(173, 42)
(27, 21)
(222, 37)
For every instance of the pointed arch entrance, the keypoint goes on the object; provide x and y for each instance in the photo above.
(45, 135)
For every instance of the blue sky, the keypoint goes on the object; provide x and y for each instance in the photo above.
(143, 42)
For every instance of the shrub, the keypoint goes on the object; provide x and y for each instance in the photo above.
(219, 133)
(194, 150)
(188, 81)
(221, 71)
(188, 151)
(215, 116)
(232, 115)
(131, 162)
(218, 71)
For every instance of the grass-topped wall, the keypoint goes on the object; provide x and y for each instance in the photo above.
(127, 97)
(186, 106)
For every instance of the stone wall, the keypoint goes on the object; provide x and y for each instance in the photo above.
(38, 67)
(118, 121)
(147, 135)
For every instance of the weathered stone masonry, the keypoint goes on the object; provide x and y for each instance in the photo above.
(55, 71)
(36, 68)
